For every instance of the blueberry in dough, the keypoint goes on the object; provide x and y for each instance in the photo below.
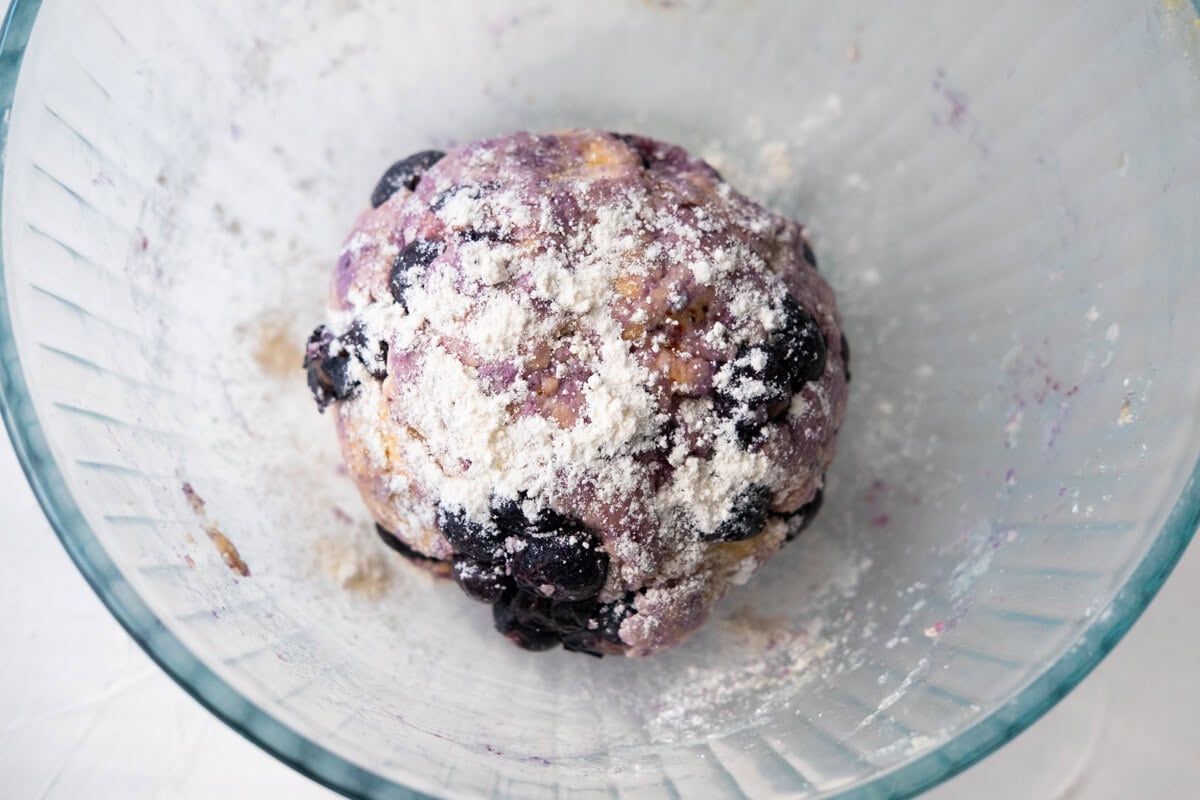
(482, 542)
(404, 174)
(435, 565)
(507, 515)
(537, 623)
(371, 353)
(632, 142)
(845, 358)
(524, 634)
(809, 256)
(763, 376)
(797, 347)
(565, 564)
(799, 520)
(747, 515)
(478, 579)
(552, 554)
(602, 632)
(328, 364)
(411, 259)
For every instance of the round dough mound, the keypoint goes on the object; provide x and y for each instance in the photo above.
(583, 375)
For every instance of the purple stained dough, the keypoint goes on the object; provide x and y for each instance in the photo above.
(588, 372)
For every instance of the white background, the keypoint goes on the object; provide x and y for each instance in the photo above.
(85, 714)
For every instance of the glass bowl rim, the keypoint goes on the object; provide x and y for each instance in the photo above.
(309, 758)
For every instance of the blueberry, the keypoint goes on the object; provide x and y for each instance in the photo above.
(474, 191)
(667, 434)
(328, 366)
(747, 515)
(404, 173)
(603, 628)
(319, 343)
(435, 565)
(747, 397)
(748, 420)
(371, 354)
(480, 581)
(809, 255)
(327, 359)
(545, 613)
(400, 546)
(583, 642)
(554, 551)
(757, 384)
(507, 515)
(414, 256)
(522, 634)
(568, 564)
(749, 428)
(798, 346)
(763, 376)
(773, 374)
(480, 542)
(799, 520)
(613, 614)
(553, 615)
(585, 626)
(845, 358)
(550, 521)
(539, 620)
(478, 235)
(633, 143)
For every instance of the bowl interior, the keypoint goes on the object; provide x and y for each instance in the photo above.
(1003, 194)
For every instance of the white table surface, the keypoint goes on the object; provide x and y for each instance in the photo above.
(85, 714)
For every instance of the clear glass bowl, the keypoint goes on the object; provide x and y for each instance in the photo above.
(1004, 194)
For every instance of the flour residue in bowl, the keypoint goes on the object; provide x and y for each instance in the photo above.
(350, 566)
(771, 656)
(226, 548)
